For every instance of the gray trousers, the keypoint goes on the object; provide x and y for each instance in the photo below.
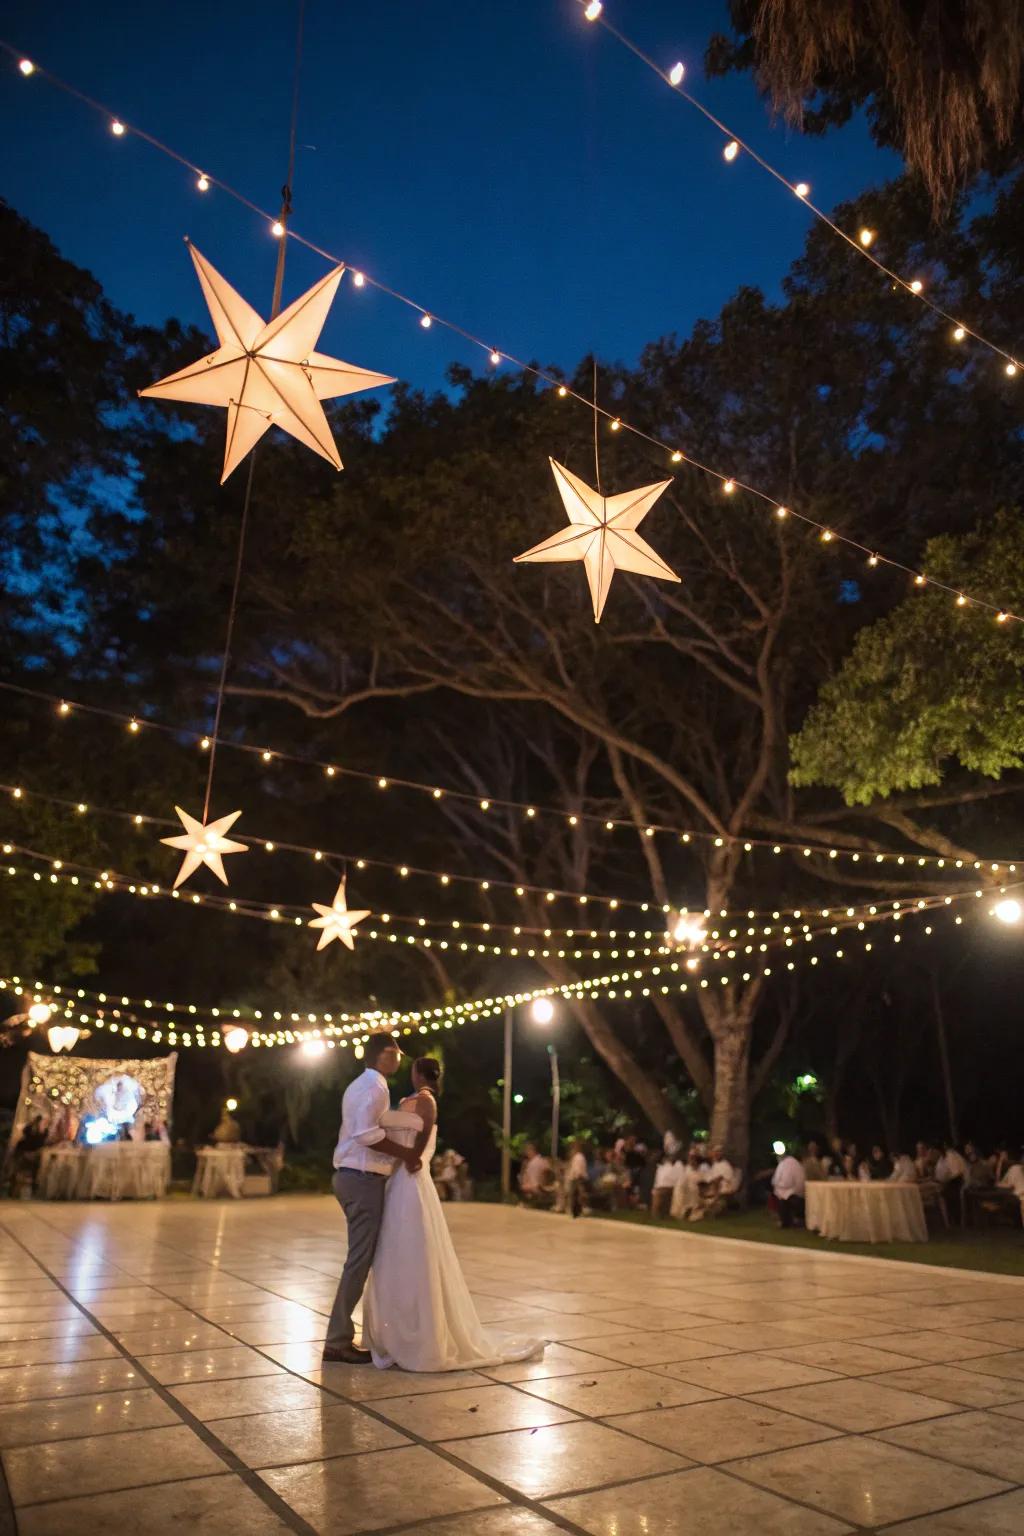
(361, 1197)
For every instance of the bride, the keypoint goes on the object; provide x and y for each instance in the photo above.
(417, 1310)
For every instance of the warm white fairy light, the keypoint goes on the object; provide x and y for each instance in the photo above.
(27, 67)
(1011, 370)
(731, 150)
(959, 333)
(203, 182)
(866, 237)
(1008, 911)
(358, 279)
(677, 457)
(426, 322)
(117, 128)
(781, 512)
(676, 73)
(728, 486)
(802, 189)
(916, 285)
(277, 229)
(495, 358)
(593, 10)
(236, 1039)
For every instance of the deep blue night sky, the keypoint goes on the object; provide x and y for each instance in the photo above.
(506, 164)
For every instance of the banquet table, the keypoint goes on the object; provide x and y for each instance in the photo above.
(113, 1170)
(854, 1211)
(220, 1171)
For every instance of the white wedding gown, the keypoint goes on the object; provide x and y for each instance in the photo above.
(417, 1310)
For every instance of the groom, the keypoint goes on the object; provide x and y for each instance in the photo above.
(363, 1159)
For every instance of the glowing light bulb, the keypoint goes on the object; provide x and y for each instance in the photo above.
(235, 1039)
(781, 511)
(63, 708)
(203, 183)
(731, 150)
(117, 128)
(920, 581)
(1001, 618)
(1007, 911)
(616, 424)
(39, 1013)
(27, 67)
(542, 1010)
(1011, 370)
(313, 1048)
(961, 600)
(866, 237)
(133, 726)
(779, 1148)
(358, 279)
(827, 535)
(277, 229)
(959, 333)
(230, 1105)
(562, 391)
(426, 322)
(593, 10)
(802, 189)
(729, 486)
(872, 559)
(677, 457)
(916, 285)
(204, 745)
(675, 74)
(495, 358)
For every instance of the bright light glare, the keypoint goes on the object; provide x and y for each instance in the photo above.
(676, 74)
(313, 1048)
(230, 1105)
(778, 1147)
(99, 1130)
(688, 930)
(543, 1010)
(116, 128)
(27, 67)
(277, 229)
(594, 10)
(1008, 911)
(866, 237)
(39, 1013)
(203, 183)
(802, 189)
(358, 279)
(731, 150)
(236, 1038)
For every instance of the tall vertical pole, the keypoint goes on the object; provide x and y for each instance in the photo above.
(556, 1104)
(947, 1078)
(506, 1112)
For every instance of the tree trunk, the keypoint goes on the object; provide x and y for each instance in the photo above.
(730, 1117)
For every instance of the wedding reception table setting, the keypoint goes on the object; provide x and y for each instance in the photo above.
(855, 1211)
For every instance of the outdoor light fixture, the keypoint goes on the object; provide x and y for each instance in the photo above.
(236, 1038)
(778, 1147)
(230, 1105)
(543, 1010)
(594, 10)
(1008, 911)
(313, 1048)
(62, 1037)
(731, 150)
(39, 1013)
(676, 74)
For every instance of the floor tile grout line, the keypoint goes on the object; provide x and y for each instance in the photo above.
(505, 1491)
(232, 1462)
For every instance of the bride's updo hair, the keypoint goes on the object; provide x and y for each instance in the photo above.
(428, 1070)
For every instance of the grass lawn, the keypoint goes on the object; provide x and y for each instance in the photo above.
(999, 1251)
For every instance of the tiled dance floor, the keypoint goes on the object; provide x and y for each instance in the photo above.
(160, 1371)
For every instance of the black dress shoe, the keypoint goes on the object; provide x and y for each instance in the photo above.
(346, 1354)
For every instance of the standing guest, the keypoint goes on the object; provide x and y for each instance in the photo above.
(813, 1164)
(535, 1176)
(671, 1144)
(576, 1180)
(686, 1200)
(951, 1171)
(666, 1176)
(788, 1184)
(645, 1179)
(904, 1169)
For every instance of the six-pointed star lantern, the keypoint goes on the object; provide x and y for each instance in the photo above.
(267, 374)
(602, 533)
(203, 844)
(336, 920)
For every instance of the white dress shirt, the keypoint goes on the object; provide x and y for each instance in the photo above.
(950, 1166)
(904, 1170)
(1013, 1179)
(577, 1168)
(788, 1178)
(365, 1100)
(723, 1169)
(667, 1175)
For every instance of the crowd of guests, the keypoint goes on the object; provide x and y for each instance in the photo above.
(964, 1184)
(670, 1180)
(64, 1129)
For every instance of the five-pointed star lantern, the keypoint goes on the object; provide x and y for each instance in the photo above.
(204, 844)
(602, 533)
(336, 920)
(267, 374)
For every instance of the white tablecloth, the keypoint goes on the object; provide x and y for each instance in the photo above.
(220, 1171)
(858, 1212)
(114, 1170)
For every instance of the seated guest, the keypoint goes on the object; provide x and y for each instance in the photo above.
(813, 1164)
(666, 1176)
(878, 1166)
(576, 1180)
(535, 1176)
(904, 1170)
(788, 1184)
(687, 1204)
(1013, 1180)
(28, 1151)
(851, 1168)
(833, 1159)
(719, 1183)
(925, 1158)
(981, 1170)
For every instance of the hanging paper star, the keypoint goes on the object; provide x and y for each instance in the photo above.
(267, 374)
(203, 844)
(602, 533)
(337, 921)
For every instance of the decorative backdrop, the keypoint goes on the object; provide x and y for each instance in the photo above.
(77, 1086)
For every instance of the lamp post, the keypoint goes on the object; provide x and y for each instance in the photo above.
(542, 1011)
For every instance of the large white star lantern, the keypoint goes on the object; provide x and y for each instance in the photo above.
(267, 374)
(602, 533)
(336, 921)
(203, 843)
